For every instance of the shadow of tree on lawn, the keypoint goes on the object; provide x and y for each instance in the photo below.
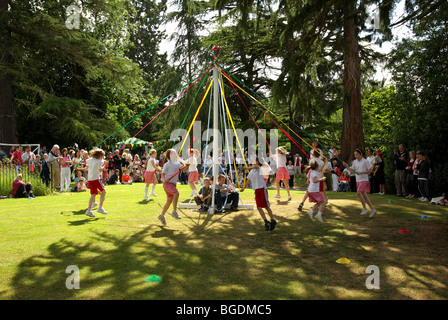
(230, 256)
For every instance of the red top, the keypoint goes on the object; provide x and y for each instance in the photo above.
(15, 186)
(18, 157)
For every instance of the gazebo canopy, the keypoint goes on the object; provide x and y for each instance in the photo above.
(133, 141)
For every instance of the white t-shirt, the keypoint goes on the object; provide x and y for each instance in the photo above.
(360, 166)
(256, 178)
(95, 168)
(320, 152)
(193, 162)
(281, 160)
(150, 166)
(314, 186)
(170, 169)
(372, 160)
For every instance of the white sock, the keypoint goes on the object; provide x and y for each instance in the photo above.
(146, 190)
(319, 214)
(153, 186)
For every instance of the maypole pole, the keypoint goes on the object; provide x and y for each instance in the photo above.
(216, 51)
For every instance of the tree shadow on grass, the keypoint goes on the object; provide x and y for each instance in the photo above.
(231, 257)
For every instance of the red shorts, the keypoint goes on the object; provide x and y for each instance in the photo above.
(363, 186)
(261, 198)
(170, 188)
(193, 176)
(95, 186)
(282, 174)
(150, 176)
(315, 197)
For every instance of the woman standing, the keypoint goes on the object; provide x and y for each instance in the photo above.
(423, 176)
(65, 170)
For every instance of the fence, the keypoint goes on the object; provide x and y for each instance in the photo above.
(30, 173)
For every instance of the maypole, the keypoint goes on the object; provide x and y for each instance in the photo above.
(216, 51)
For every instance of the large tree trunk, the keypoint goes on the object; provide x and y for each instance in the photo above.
(8, 128)
(352, 128)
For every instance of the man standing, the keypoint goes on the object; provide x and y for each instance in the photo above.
(53, 164)
(401, 161)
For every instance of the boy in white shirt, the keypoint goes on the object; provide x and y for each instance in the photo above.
(261, 194)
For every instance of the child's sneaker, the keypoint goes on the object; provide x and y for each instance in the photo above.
(101, 210)
(372, 213)
(319, 217)
(277, 196)
(94, 204)
(289, 198)
(310, 214)
(162, 219)
(364, 212)
(175, 215)
(89, 213)
(273, 224)
(152, 194)
(146, 197)
(267, 225)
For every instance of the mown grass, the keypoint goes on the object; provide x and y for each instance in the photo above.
(224, 256)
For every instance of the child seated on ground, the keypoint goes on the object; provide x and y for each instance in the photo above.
(225, 192)
(21, 189)
(115, 177)
(80, 182)
(344, 181)
(204, 196)
(126, 178)
(136, 176)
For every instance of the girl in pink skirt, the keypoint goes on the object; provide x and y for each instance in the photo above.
(170, 172)
(193, 174)
(362, 168)
(150, 174)
(314, 193)
(282, 172)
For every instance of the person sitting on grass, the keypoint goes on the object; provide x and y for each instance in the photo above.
(126, 178)
(204, 196)
(222, 191)
(344, 181)
(80, 182)
(21, 189)
(115, 177)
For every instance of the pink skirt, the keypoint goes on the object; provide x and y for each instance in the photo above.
(282, 174)
(315, 197)
(193, 176)
(150, 177)
(170, 188)
(363, 186)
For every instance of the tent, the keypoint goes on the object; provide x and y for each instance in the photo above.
(132, 142)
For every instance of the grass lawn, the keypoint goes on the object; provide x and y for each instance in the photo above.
(225, 256)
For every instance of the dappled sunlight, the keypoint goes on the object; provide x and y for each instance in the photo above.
(231, 256)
